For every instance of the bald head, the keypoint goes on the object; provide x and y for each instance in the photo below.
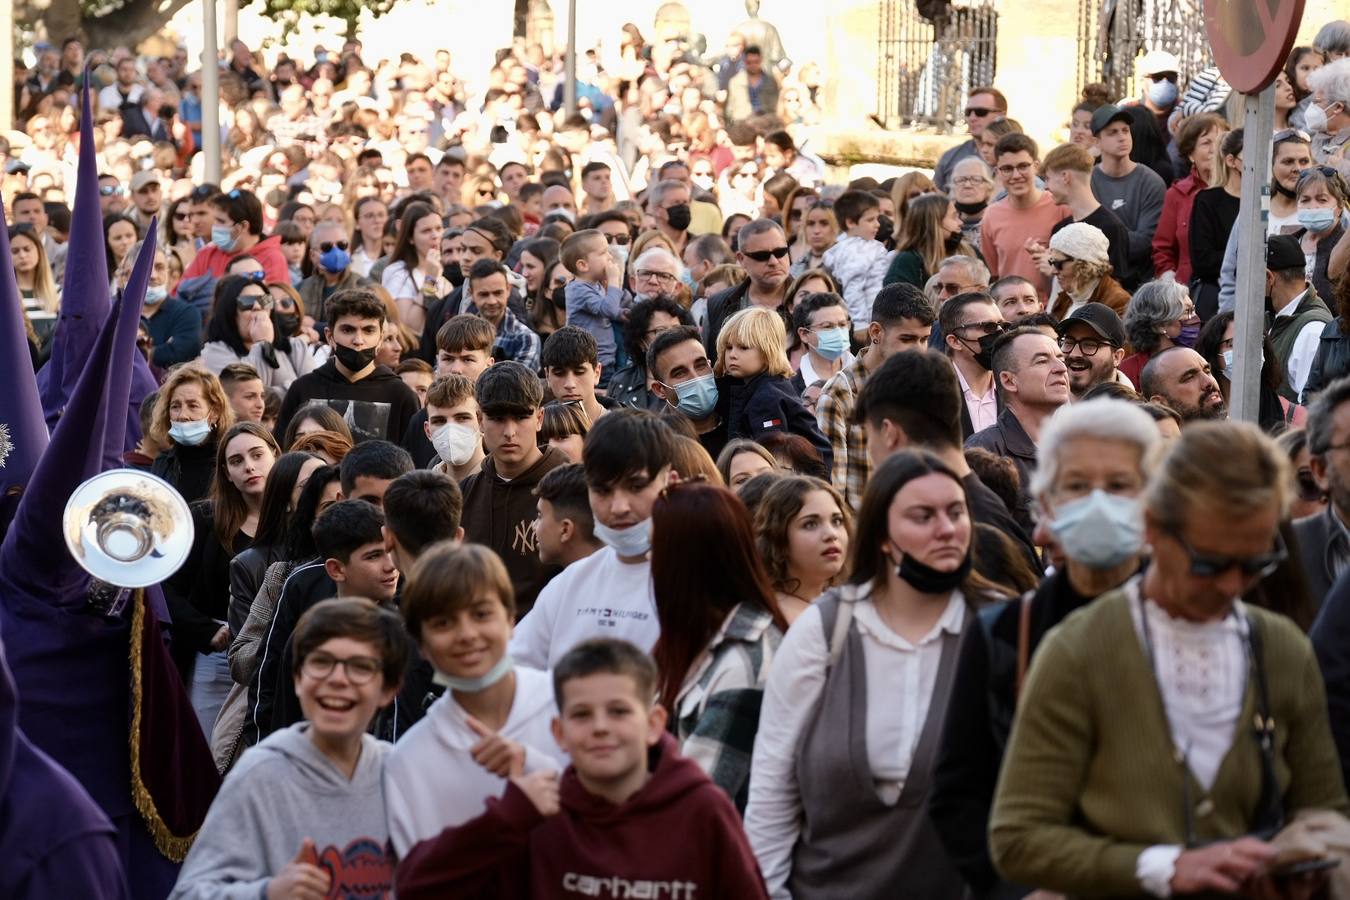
(1181, 378)
(556, 196)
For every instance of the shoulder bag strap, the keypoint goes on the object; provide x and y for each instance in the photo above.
(1023, 640)
(1270, 809)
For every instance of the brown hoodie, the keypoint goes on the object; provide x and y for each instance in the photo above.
(500, 514)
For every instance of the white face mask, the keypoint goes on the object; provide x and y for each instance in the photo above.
(455, 443)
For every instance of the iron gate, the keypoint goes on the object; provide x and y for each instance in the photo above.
(1112, 34)
(927, 61)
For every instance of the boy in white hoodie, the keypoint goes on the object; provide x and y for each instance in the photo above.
(459, 605)
(302, 813)
(857, 260)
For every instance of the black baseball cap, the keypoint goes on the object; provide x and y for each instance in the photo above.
(508, 388)
(1283, 252)
(1101, 319)
(1105, 115)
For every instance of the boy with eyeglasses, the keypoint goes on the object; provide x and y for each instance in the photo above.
(596, 300)
(303, 813)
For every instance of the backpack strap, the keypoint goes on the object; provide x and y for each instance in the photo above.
(1023, 640)
(836, 615)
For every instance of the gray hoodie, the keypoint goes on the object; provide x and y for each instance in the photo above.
(283, 791)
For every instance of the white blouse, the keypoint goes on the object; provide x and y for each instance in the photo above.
(904, 673)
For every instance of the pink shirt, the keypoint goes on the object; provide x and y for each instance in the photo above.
(983, 410)
(1004, 232)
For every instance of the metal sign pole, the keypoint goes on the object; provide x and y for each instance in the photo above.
(210, 95)
(1250, 307)
(570, 62)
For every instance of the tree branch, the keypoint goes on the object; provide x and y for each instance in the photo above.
(132, 23)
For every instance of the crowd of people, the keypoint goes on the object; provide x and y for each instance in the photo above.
(620, 504)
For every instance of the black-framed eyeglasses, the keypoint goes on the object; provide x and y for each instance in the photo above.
(247, 302)
(765, 255)
(325, 246)
(621, 239)
(359, 669)
(1212, 565)
(1087, 346)
(1019, 169)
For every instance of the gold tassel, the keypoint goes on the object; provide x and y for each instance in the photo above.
(175, 848)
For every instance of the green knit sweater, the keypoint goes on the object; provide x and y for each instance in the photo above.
(1090, 779)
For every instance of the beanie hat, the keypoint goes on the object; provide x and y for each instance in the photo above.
(1084, 242)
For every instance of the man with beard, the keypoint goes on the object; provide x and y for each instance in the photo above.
(1093, 341)
(1323, 539)
(1180, 378)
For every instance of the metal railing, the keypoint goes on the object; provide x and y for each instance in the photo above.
(927, 66)
(1112, 34)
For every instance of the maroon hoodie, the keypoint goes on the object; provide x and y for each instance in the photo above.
(677, 838)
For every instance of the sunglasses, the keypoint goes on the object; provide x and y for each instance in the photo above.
(1211, 565)
(620, 239)
(984, 328)
(248, 302)
(182, 216)
(765, 255)
(1291, 134)
(1059, 262)
(325, 246)
(980, 111)
(109, 190)
(252, 276)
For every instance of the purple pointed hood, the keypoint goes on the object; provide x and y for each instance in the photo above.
(130, 381)
(84, 293)
(33, 558)
(23, 433)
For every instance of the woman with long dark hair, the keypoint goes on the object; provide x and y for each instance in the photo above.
(857, 698)
(414, 275)
(243, 329)
(720, 626)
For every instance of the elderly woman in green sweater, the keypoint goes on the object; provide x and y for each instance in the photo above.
(1134, 767)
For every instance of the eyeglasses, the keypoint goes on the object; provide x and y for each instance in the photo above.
(649, 275)
(620, 239)
(1087, 346)
(765, 255)
(1019, 169)
(325, 246)
(969, 181)
(984, 328)
(359, 669)
(953, 289)
(1211, 565)
(980, 111)
(248, 302)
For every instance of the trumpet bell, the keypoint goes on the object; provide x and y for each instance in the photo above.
(128, 528)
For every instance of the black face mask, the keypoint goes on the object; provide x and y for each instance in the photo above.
(953, 241)
(1283, 191)
(560, 297)
(288, 324)
(970, 209)
(353, 360)
(885, 229)
(984, 357)
(927, 580)
(679, 216)
(453, 273)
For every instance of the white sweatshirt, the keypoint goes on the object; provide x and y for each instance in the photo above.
(599, 596)
(431, 780)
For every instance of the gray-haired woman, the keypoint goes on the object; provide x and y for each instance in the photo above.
(1153, 323)
(1094, 460)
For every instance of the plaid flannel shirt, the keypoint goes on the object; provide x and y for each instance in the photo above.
(717, 710)
(514, 339)
(834, 415)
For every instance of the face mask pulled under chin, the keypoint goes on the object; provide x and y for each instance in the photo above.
(927, 580)
(630, 542)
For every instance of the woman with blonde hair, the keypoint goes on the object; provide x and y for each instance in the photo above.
(37, 287)
(802, 529)
(930, 231)
(908, 188)
(1080, 257)
(191, 412)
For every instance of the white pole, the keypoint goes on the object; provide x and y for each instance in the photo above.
(7, 62)
(570, 65)
(1250, 303)
(210, 95)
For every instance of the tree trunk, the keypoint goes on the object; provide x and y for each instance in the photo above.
(132, 23)
(522, 16)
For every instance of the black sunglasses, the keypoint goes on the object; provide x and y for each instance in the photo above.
(248, 301)
(1209, 565)
(980, 111)
(766, 255)
(620, 239)
(325, 246)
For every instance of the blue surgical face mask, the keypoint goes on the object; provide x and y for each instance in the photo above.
(190, 434)
(220, 236)
(1100, 531)
(481, 683)
(697, 397)
(832, 343)
(1317, 220)
(1162, 94)
(1228, 362)
(628, 543)
(155, 294)
(335, 260)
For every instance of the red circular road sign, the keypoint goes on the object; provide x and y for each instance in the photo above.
(1252, 39)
